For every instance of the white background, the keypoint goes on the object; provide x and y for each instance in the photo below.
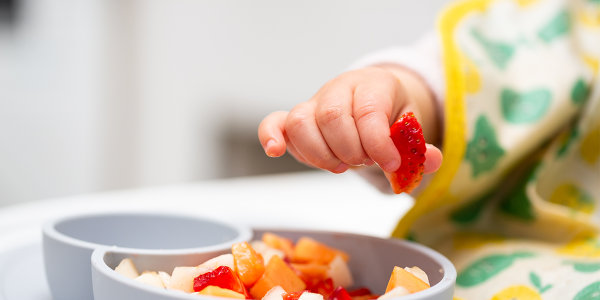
(104, 94)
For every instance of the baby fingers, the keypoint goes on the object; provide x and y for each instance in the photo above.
(302, 130)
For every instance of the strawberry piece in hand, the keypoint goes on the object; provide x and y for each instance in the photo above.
(408, 138)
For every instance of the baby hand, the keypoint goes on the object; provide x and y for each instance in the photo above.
(347, 123)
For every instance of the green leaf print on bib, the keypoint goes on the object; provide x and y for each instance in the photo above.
(487, 268)
(524, 107)
(590, 292)
(499, 53)
(584, 267)
(537, 282)
(516, 203)
(483, 151)
(558, 26)
(579, 92)
(469, 212)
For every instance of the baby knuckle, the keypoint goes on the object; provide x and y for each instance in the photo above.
(330, 115)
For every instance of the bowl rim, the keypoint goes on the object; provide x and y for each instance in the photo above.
(245, 233)
(447, 282)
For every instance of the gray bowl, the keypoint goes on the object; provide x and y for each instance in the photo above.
(69, 242)
(372, 261)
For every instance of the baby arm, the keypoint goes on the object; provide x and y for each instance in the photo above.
(347, 122)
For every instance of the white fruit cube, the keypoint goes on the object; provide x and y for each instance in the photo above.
(183, 278)
(221, 260)
(127, 268)
(339, 272)
(166, 278)
(150, 278)
(310, 296)
(276, 293)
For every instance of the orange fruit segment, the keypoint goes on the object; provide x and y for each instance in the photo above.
(403, 278)
(309, 250)
(281, 243)
(312, 271)
(277, 273)
(212, 290)
(248, 264)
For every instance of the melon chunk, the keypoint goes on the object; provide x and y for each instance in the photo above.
(395, 292)
(310, 250)
(266, 251)
(248, 264)
(277, 273)
(403, 278)
(281, 243)
(127, 268)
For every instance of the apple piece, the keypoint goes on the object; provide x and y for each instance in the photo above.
(419, 273)
(276, 293)
(395, 292)
(401, 277)
(266, 251)
(310, 296)
(340, 273)
(310, 250)
(183, 278)
(222, 277)
(150, 278)
(248, 264)
(281, 243)
(164, 277)
(277, 272)
(127, 268)
(212, 290)
(221, 260)
(340, 293)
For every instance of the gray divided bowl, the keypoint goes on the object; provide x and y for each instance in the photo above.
(371, 262)
(69, 242)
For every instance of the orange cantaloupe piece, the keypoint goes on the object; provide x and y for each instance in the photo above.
(312, 271)
(309, 250)
(212, 290)
(248, 264)
(401, 277)
(277, 273)
(278, 242)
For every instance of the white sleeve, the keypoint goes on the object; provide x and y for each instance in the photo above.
(424, 57)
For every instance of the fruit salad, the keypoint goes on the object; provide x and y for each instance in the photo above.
(276, 268)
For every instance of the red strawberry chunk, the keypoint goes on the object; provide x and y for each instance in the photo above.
(222, 277)
(408, 138)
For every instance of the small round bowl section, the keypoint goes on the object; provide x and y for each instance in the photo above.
(69, 242)
(371, 263)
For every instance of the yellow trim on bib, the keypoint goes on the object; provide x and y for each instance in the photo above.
(455, 112)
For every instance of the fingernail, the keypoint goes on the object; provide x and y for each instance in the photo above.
(391, 166)
(269, 145)
(342, 167)
(368, 162)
